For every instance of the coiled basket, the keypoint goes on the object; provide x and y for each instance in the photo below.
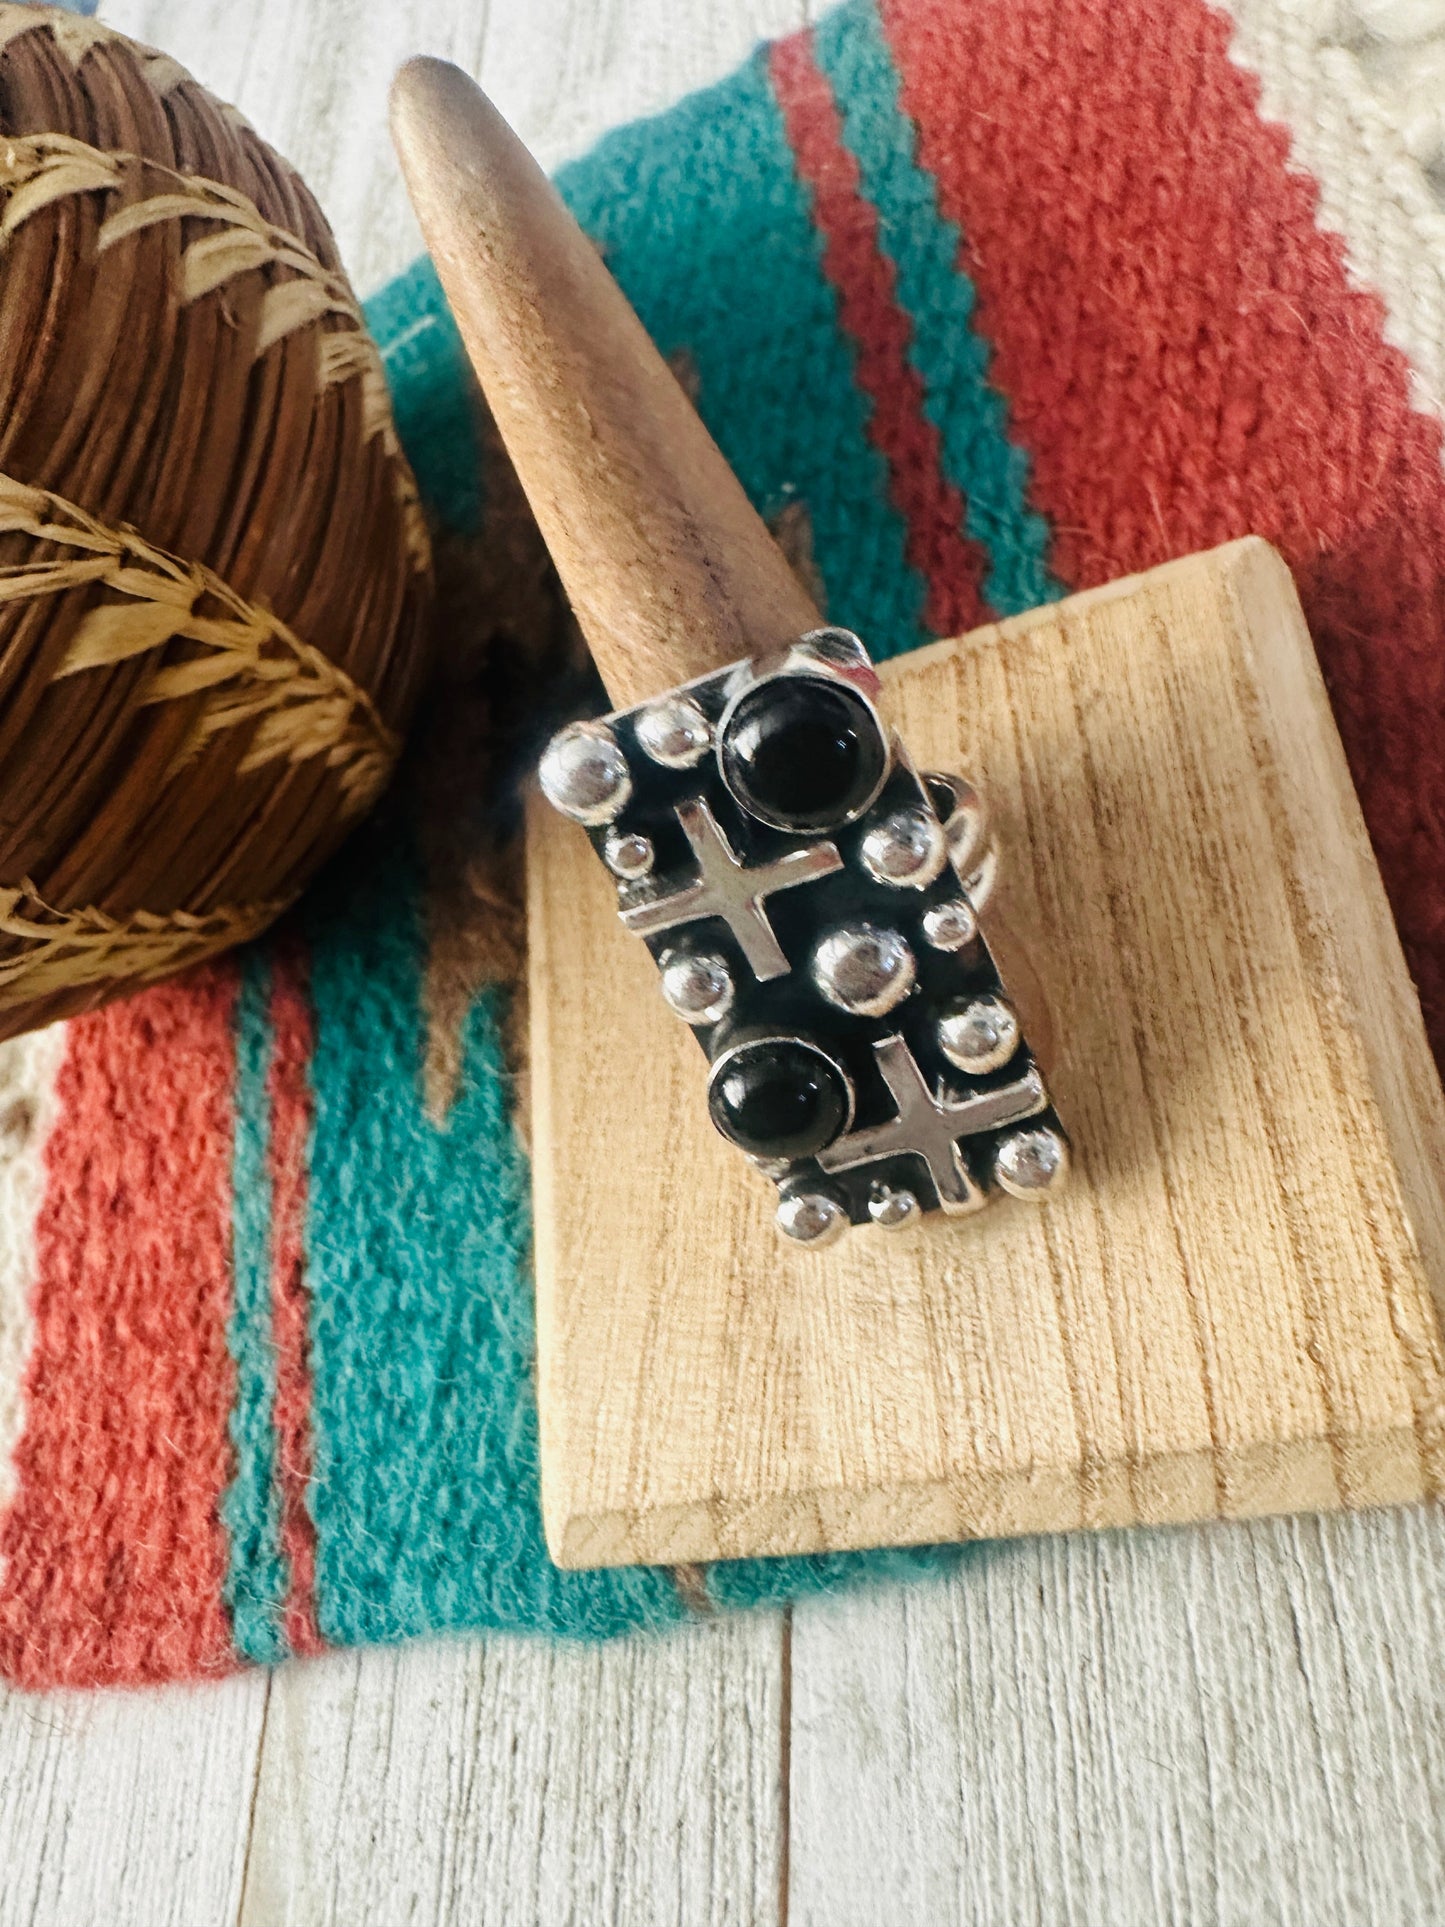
(214, 570)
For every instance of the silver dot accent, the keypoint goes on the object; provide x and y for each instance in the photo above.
(674, 732)
(628, 856)
(697, 985)
(811, 1219)
(981, 1037)
(1030, 1164)
(864, 969)
(584, 774)
(834, 648)
(965, 826)
(893, 1210)
(907, 850)
(950, 926)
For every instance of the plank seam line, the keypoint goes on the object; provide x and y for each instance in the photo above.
(254, 1802)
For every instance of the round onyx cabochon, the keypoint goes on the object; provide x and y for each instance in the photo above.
(803, 752)
(779, 1097)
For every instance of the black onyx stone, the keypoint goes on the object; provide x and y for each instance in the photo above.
(803, 753)
(778, 1098)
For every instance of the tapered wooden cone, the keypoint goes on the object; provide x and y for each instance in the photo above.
(667, 564)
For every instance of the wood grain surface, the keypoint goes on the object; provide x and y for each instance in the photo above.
(1217, 1726)
(523, 1781)
(1228, 1311)
(667, 564)
(1235, 1725)
(120, 1807)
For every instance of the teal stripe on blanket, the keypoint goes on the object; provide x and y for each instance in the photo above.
(425, 1494)
(433, 394)
(758, 322)
(256, 1576)
(946, 348)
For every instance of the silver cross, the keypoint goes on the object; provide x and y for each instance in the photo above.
(727, 887)
(930, 1126)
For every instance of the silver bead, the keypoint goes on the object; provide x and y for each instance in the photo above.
(893, 1210)
(584, 774)
(674, 732)
(839, 647)
(965, 821)
(863, 969)
(950, 926)
(697, 984)
(837, 652)
(628, 856)
(906, 850)
(812, 1219)
(1031, 1163)
(980, 1037)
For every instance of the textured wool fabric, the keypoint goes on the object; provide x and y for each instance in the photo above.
(985, 300)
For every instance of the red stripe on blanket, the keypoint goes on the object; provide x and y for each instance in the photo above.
(950, 562)
(1186, 361)
(290, 1096)
(113, 1554)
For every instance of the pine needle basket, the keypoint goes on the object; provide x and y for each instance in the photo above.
(214, 568)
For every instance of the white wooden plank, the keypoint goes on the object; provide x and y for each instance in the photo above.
(128, 1809)
(29, 1067)
(521, 1781)
(313, 78)
(1228, 1724)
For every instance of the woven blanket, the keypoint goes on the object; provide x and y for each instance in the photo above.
(985, 301)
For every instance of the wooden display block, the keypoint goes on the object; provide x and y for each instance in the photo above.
(1230, 1310)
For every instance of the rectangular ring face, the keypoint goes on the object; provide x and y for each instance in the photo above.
(812, 904)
